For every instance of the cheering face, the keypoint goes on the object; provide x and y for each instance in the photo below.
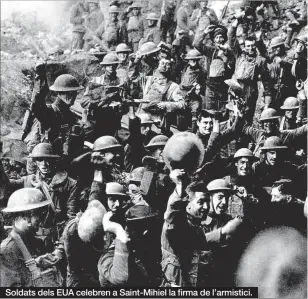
(274, 52)
(250, 48)
(164, 66)
(111, 69)
(198, 207)
(205, 125)
(45, 166)
(193, 63)
(219, 39)
(135, 12)
(271, 158)
(122, 56)
(243, 166)
(219, 202)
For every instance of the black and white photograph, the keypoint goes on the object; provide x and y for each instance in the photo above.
(153, 149)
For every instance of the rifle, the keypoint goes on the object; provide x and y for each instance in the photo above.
(224, 11)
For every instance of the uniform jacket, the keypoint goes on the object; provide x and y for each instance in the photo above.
(14, 272)
(114, 34)
(76, 13)
(151, 35)
(95, 22)
(185, 254)
(135, 28)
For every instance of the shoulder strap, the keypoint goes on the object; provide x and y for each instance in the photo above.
(21, 245)
(168, 84)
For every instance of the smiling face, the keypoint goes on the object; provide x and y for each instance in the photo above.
(158, 154)
(116, 203)
(243, 166)
(219, 201)
(205, 125)
(270, 126)
(198, 205)
(68, 97)
(164, 66)
(219, 39)
(123, 56)
(300, 47)
(250, 47)
(291, 114)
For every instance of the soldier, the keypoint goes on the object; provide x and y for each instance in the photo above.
(135, 178)
(285, 203)
(140, 134)
(219, 229)
(152, 33)
(193, 84)
(77, 15)
(244, 180)
(270, 127)
(249, 66)
(184, 245)
(220, 63)
(144, 64)
(203, 17)
(102, 99)
(282, 83)
(290, 108)
(163, 95)
(56, 185)
(57, 120)
(133, 258)
(168, 21)
(115, 32)
(94, 24)
(273, 167)
(135, 26)
(28, 208)
(123, 51)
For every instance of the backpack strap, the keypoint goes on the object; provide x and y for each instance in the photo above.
(29, 261)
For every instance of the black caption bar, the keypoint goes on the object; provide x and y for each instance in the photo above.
(129, 292)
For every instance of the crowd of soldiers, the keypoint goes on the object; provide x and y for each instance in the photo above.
(161, 171)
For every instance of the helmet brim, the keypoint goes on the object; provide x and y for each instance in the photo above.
(269, 118)
(156, 144)
(266, 148)
(118, 194)
(44, 156)
(109, 63)
(53, 88)
(27, 208)
(289, 108)
(115, 146)
(193, 58)
(151, 52)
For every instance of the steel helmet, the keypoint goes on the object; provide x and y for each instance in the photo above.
(43, 150)
(193, 54)
(114, 9)
(110, 58)
(276, 42)
(290, 103)
(273, 143)
(234, 85)
(65, 82)
(115, 189)
(243, 152)
(184, 150)
(152, 16)
(137, 174)
(92, 1)
(148, 48)
(269, 113)
(136, 5)
(26, 199)
(145, 118)
(219, 185)
(122, 48)
(106, 142)
(159, 140)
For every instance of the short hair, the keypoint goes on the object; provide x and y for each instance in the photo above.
(204, 114)
(284, 186)
(197, 186)
(250, 38)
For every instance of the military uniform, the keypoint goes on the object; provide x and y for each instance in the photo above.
(114, 33)
(135, 30)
